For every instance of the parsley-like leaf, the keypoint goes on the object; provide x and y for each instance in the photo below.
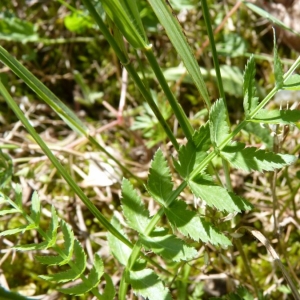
(251, 158)
(249, 89)
(160, 181)
(219, 129)
(218, 197)
(134, 210)
(191, 225)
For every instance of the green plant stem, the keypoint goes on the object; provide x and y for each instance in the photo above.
(60, 168)
(240, 126)
(93, 209)
(137, 247)
(131, 71)
(177, 109)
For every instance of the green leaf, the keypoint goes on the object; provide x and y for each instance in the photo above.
(134, 210)
(68, 236)
(43, 92)
(174, 31)
(35, 209)
(244, 293)
(109, 290)
(268, 16)
(249, 89)
(18, 197)
(219, 129)
(17, 230)
(292, 83)
(191, 225)
(188, 158)
(119, 250)
(218, 197)
(201, 138)
(251, 158)
(146, 283)
(278, 72)
(131, 8)
(91, 282)
(122, 18)
(277, 116)
(232, 79)
(77, 267)
(169, 247)
(159, 180)
(30, 247)
(52, 231)
(17, 30)
(4, 212)
(78, 22)
(50, 259)
(6, 168)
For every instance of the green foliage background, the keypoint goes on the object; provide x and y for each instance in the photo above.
(68, 53)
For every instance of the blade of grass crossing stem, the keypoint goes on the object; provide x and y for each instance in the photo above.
(93, 209)
(131, 29)
(132, 72)
(113, 10)
(210, 33)
(132, 10)
(176, 107)
(42, 91)
(59, 107)
(166, 17)
(219, 80)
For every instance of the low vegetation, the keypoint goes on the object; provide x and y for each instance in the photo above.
(148, 150)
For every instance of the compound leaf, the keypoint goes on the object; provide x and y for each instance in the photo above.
(219, 129)
(191, 225)
(249, 159)
(91, 282)
(77, 267)
(160, 181)
(218, 197)
(147, 284)
(249, 89)
(169, 247)
(134, 210)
